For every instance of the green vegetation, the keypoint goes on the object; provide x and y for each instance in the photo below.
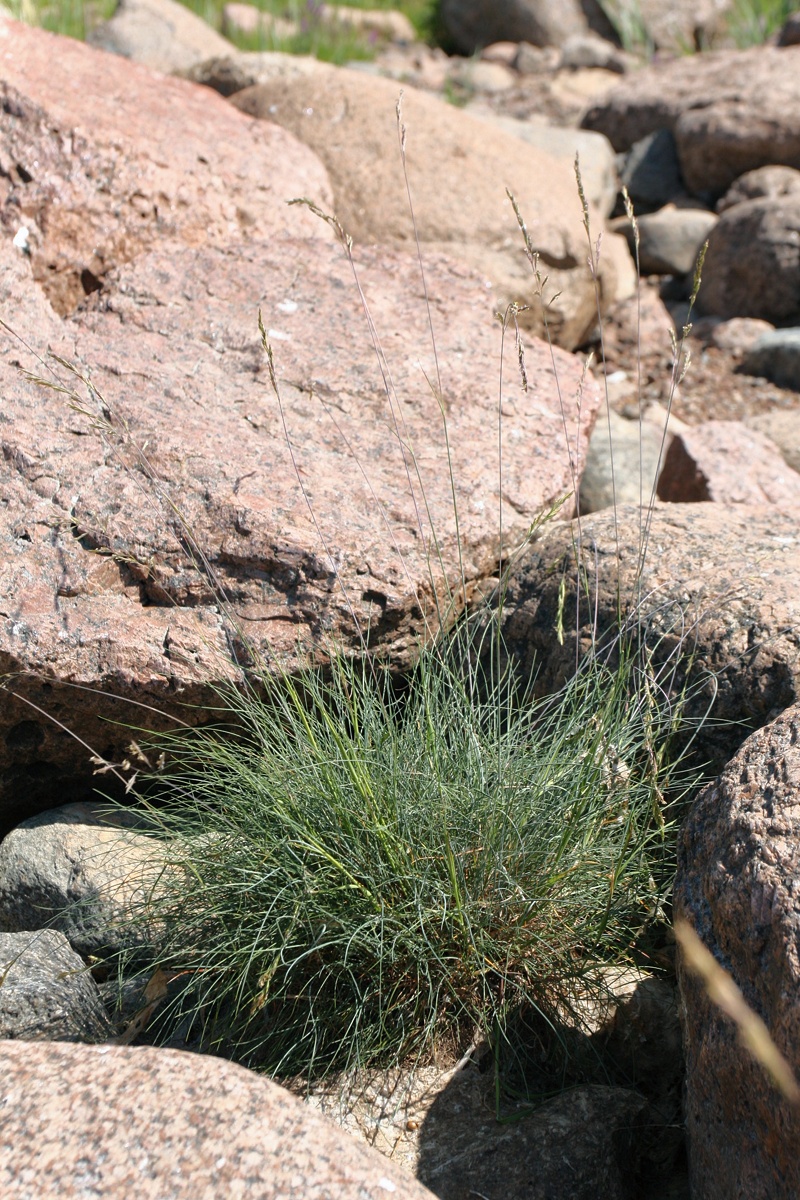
(370, 872)
(322, 38)
(750, 22)
(747, 23)
(753, 21)
(73, 18)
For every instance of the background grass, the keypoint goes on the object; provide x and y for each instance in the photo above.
(76, 18)
(749, 23)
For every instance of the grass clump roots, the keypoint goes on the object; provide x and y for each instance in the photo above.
(372, 873)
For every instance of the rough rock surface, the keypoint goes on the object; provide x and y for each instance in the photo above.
(726, 462)
(96, 174)
(98, 589)
(730, 112)
(770, 182)
(583, 1144)
(776, 355)
(473, 24)
(782, 426)
(46, 993)
(720, 581)
(230, 73)
(161, 34)
(154, 1123)
(80, 871)
(595, 154)
(737, 885)
(458, 171)
(651, 171)
(737, 335)
(670, 239)
(624, 461)
(752, 268)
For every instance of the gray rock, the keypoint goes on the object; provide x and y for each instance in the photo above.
(670, 239)
(730, 112)
(477, 77)
(536, 60)
(473, 24)
(737, 335)
(720, 582)
(752, 268)
(80, 871)
(636, 451)
(584, 1144)
(114, 1122)
(790, 31)
(651, 171)
(46, 993)
(595, 154)
(769, 182)
(233, 72)
(586, 50)
(782, 426)
(776, 356)
(737, 885)
(162, 34)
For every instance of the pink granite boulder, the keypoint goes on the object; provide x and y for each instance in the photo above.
(98, 586)
(114, 1122)
(727, 462)
(738, 885)
(103, 158)
(719, 598)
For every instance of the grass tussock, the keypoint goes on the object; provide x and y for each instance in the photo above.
(371, 873)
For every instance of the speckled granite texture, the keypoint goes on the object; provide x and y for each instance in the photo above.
(123, 1123)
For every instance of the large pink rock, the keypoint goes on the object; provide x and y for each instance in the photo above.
(737, 885)
(719, 597)
(97, 587)
(102, 158)
(114, 1122)
(729, 463)
(459, 170)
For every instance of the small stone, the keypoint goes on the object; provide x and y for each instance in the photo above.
(738, 335)
(536, 60)
(764, 182)
(46, 992)
(651, 171)
(670, 239)
(776, 355)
